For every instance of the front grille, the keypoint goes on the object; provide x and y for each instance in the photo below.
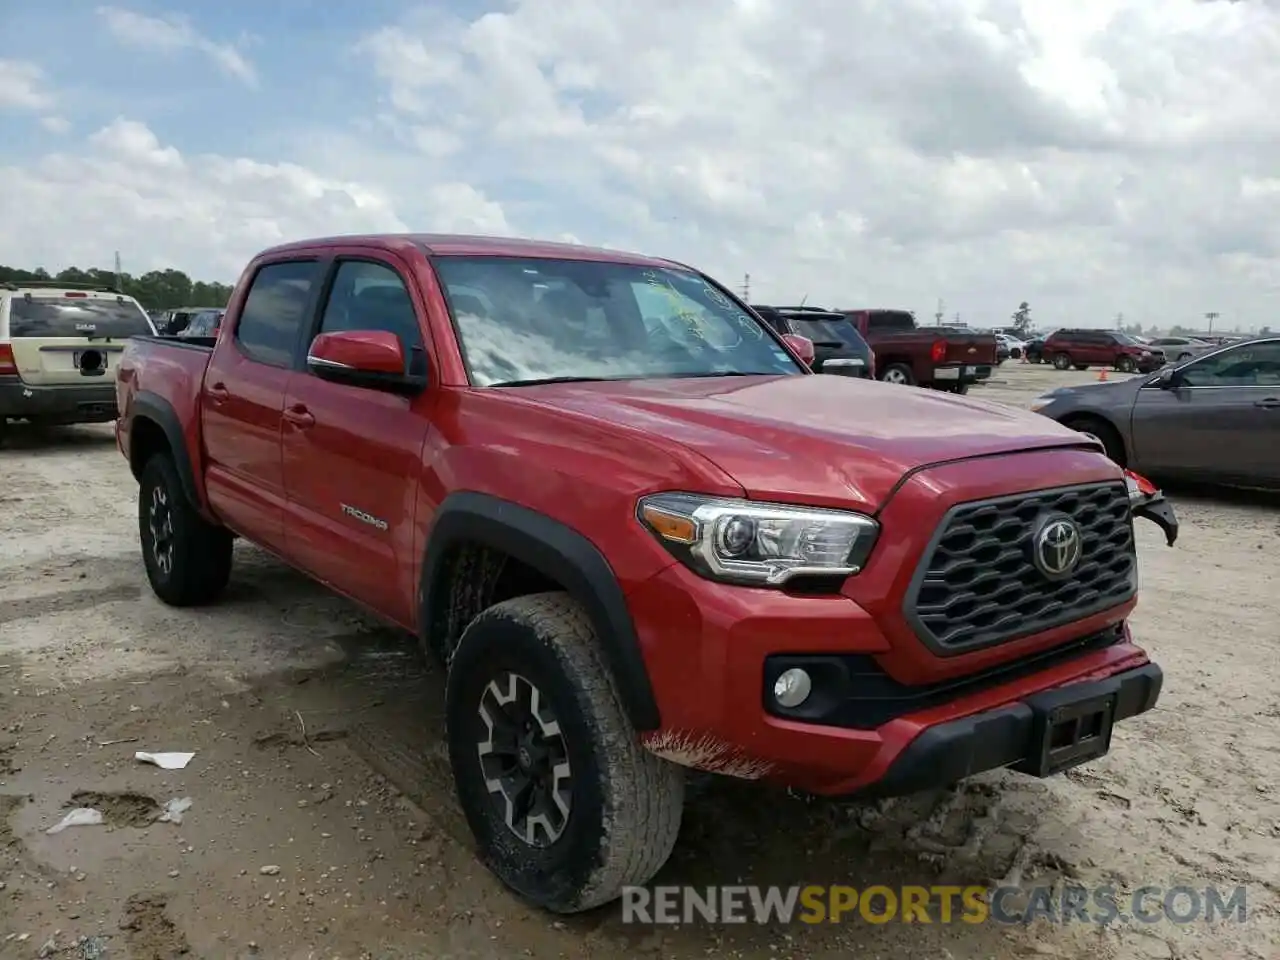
(978, 585)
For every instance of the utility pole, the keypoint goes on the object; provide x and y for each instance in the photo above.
(1211, 316)
(119, 280)
(939, 315)
(746, 288)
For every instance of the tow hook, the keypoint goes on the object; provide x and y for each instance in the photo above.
(1147, 501)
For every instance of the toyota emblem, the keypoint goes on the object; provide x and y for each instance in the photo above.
(1057, 547)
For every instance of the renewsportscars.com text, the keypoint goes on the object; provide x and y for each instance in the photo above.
(931, 904)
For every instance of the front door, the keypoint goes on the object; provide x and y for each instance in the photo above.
(353, 455)
(1220, 421)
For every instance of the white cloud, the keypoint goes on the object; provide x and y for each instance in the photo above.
(173, 34)
(54, 124)
(125, 190)
(1093, 157)
(23, 86)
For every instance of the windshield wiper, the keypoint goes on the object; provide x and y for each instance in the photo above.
(725, 373)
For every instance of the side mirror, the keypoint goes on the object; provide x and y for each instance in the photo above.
(362, 358)
(1166, 379)
(803, 347)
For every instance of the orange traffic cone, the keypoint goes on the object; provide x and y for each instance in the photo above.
(1102, 375)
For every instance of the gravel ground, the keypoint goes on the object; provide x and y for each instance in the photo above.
(322, 821)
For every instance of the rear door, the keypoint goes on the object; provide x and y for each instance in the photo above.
(353, 455)
(62, 337)
(242, 400)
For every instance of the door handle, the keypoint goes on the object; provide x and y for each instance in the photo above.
(1270, 403)
(218, 392)
(300, 416)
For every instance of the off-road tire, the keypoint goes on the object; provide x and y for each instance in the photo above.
(1104, 431)
(626, 803)
(908, 378)
(1061, 361)
(201, 554)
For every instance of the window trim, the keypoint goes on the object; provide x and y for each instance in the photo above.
(308, 310)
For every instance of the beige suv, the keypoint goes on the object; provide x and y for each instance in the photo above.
(59, 345)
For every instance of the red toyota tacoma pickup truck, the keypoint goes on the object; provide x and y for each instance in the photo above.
(642, 535)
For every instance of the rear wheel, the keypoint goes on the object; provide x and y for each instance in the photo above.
(1062, 361)
(898, 373)
(188, 559)
(565, 805)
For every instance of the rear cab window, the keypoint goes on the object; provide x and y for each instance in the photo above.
(890, 321)
(828, 329)
(76, 315)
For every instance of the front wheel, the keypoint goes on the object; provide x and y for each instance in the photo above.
(188, 559)
(1183, 356)
(1126, 365)
(566, 806)
(898, 373)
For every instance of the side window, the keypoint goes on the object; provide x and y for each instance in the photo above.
(1248, 365)
(274, 311)
(372, 296)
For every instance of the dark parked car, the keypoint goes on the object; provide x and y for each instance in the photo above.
(838, 347)
(1215, 418)
(1035, 350)
(1084, 348)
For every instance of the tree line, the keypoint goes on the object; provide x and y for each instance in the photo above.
(156, 290)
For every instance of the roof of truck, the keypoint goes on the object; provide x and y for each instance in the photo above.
(448, 244)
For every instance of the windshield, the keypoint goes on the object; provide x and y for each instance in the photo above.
(835, 331)
(1127, 340)
(60, 316)
(524, 320)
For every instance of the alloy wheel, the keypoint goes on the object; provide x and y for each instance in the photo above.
(160, 523)
(524, 760)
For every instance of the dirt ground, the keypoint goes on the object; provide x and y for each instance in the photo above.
(322, 822)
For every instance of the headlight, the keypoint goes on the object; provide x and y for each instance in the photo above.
(760, 544)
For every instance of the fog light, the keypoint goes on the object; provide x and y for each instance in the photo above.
(792, 688)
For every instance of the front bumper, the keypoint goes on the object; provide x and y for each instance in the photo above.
(1006, 737)
(58, 404)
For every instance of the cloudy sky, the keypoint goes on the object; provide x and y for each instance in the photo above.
(1093, 158)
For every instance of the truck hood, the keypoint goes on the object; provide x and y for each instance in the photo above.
(819, 440)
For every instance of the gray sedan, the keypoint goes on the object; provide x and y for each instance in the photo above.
(1215, 418)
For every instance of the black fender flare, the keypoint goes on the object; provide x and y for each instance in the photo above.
(151, 406)
(562, 553)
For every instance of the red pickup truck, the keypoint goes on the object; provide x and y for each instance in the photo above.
(937, 357)
(643, 536)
